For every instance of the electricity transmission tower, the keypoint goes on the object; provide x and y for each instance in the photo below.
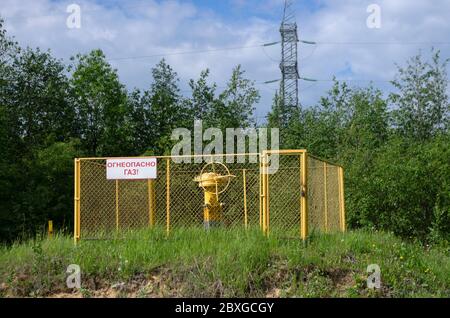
(289, 64)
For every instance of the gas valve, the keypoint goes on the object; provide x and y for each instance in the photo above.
(213, 183)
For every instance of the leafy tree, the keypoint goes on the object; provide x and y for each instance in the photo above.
(276, 114)
(320, 128)
(203, 99)
(286, 120)
(101, 103)
(405, 189)
(164, 107)
(9, 141)
(52, 183)
(236, 104)
(422, 103)
(8, 47)
(8, 173)
(140, 121)
(365, 127)
(37, 98)
(34, 113)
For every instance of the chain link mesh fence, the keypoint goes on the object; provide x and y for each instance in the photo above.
(174, 200)
(284, 196)
(324, 200)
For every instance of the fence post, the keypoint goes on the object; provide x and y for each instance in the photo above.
(168, 196)
(76, 224)
(117, 205)
(151, 202)
(260, 194)
(325, 196)
(50, 228)
(267, 196)
(300, 202)
(264, 192)
(342, 200)
(244, 177)
(304, 197)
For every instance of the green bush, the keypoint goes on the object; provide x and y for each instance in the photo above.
(405, 190)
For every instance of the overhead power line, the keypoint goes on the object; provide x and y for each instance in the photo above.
(306, 79)
(194, 51)
(263, 45)
(378, 43)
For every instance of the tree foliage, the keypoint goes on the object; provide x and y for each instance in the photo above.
(422, 104)
(100, 101)
(51, 113)
(394, 149)
(234, 107)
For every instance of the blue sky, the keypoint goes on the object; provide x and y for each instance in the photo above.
(148, 27)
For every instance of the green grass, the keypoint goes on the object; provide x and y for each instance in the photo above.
(222, 263)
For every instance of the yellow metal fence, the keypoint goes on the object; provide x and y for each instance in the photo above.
(304, 195)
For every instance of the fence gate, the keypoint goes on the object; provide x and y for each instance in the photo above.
(301, 194)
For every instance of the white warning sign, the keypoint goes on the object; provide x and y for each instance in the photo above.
(131, 169)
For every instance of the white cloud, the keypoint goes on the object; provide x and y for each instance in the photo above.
(137, 28)
(345, 21)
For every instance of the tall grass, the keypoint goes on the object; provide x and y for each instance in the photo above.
(192, 262)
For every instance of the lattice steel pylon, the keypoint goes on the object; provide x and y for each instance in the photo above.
(289, 64)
